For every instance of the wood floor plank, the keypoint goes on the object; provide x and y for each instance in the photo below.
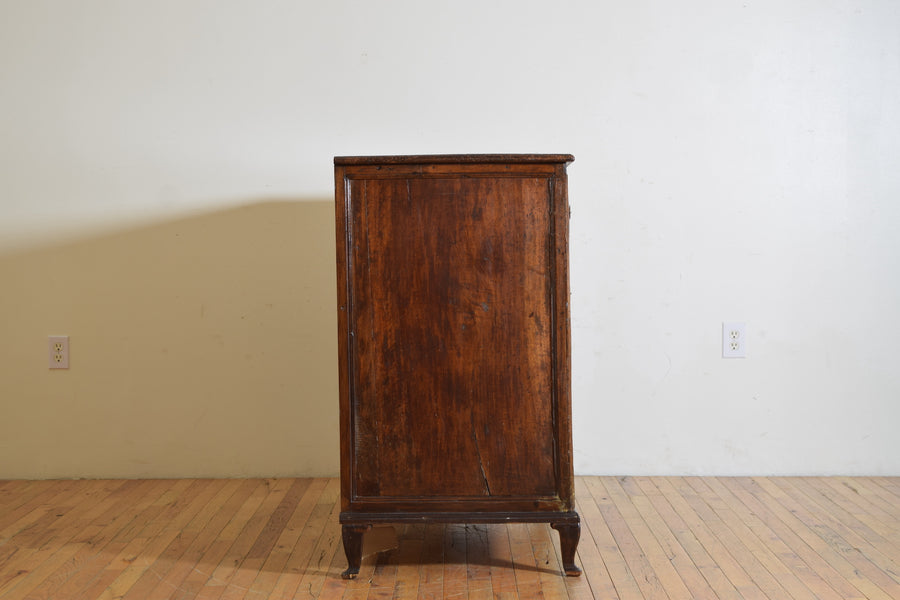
(325, 494)
(12, 490)
(252, 561)
(577, 588)
(696, 555)
(16, 493)
(856, 498)
(30, 498)
(228, 578)
(384, 575)
(40, 572)
(478, 562)
(550, 573)
(812, 566)
(166, 504)
(812, 532)
(46, 541)
(165, 576)
(431, 571)
(890, 484)
(872, 564)
(843, 516)
(455, 581)
(89, 501)
(323, 570)
(594, 572)
(133, 502)
(281, 534)
(781, 560)
(219, 537)
(720, 521)
(359, 587)
(28, 522)
(528, 580)
(156, 537)
(765, 546)
(179, 578)
(620, 574)
(878, 490)
(503, 575)
(868, 488)
(638, 563)
(629, 504)
(23, 514)
(646, 504)
(409, 557)
(702, 525)
(729, 538)
(326, 583)
(48, 536)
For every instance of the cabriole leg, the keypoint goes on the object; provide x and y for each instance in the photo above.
(568, 542)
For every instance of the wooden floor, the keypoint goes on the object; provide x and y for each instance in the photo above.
(642, 537)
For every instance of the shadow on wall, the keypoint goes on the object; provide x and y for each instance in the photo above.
(200, 347)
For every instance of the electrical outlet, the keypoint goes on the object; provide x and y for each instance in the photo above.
(59, 351)
(734, 340)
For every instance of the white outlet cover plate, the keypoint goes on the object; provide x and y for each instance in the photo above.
(734, 339)
(58, 346)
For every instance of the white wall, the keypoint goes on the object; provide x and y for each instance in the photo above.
(734, 161)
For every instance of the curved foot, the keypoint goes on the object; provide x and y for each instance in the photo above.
(568, 542)
(352, 537)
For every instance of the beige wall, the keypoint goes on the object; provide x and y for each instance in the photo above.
(202, 346)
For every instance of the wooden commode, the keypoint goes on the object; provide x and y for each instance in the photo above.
(453, 318)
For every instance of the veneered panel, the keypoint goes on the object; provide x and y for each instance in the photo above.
(451, 317)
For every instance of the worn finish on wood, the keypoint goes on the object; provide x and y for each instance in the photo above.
(644, 537)
(454, 339)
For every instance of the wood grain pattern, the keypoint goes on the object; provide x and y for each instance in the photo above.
(642, 537)
(451, 318)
